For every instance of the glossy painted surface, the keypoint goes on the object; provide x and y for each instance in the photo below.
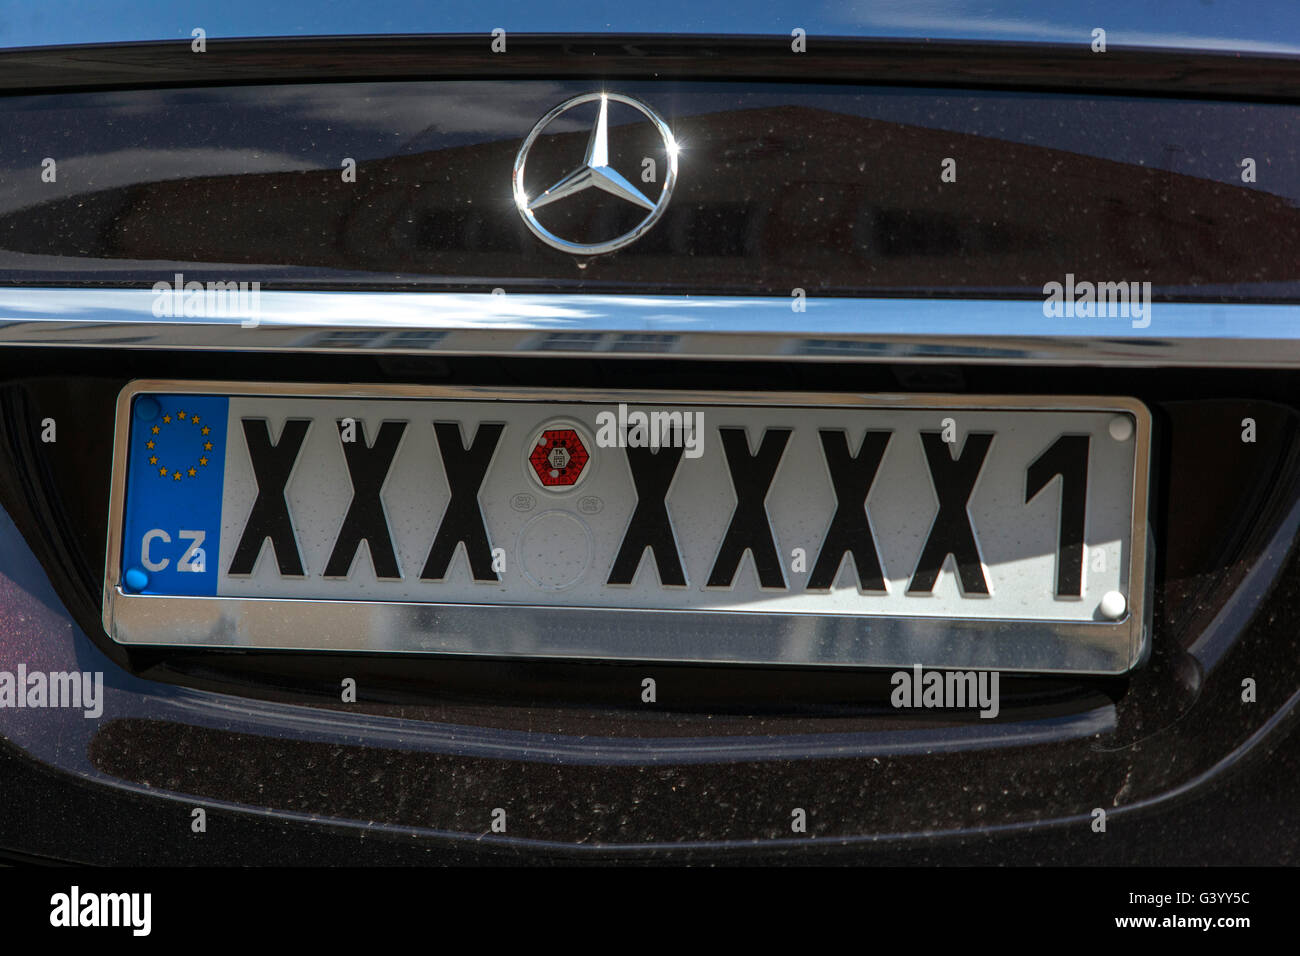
(1226, 25)
(162, 64)
(832, 189)
(412, 759)
(289, 773)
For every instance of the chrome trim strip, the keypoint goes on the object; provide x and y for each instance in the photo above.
(681, 327)
(581, 633)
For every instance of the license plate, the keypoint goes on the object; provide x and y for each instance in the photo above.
(951, 531)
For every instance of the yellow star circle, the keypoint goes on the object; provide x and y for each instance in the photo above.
(181, 417)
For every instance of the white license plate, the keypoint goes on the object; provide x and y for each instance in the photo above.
(833, 529)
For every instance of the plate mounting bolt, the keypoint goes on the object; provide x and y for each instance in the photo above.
(147, 409)
(1113, 605)
(135, 579)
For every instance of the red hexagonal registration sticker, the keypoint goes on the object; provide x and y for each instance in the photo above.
(559, 458)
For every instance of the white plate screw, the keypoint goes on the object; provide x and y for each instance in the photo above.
(1113, 605)
(1121, 428)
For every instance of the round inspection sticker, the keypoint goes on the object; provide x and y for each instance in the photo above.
(559, 457)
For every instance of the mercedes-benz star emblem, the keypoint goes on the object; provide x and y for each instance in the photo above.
(595, 172)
